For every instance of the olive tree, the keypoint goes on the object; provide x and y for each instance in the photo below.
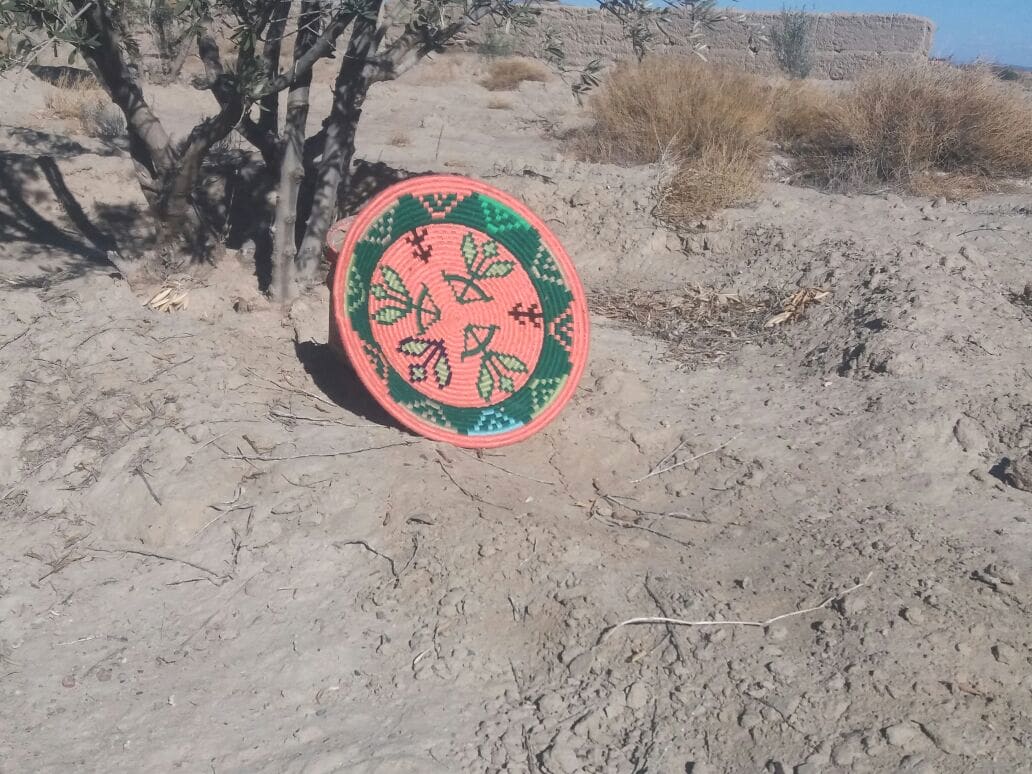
(248, 92)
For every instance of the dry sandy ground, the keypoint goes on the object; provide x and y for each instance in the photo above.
(219, 556)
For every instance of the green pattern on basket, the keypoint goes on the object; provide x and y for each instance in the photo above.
(524, 242)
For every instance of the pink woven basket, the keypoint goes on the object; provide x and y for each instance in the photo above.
(460, 311)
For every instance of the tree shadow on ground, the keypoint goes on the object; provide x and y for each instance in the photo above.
(27, 185)
(62, 147)
(337, 380)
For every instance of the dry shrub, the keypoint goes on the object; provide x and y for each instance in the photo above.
(78, 99)
(719, 176)
(507, 74)
(68, 97)
(707, 124)
(808, 117)
(919, 126)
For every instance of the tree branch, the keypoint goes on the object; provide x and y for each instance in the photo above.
(420, 39)
(324, 46)
(268, 119)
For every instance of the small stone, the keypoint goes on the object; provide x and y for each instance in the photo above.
(807, 768)
(836, 682)
(852, 604)
(699, 767)
(1005, 654)
(749, 719)
(782, 668)
(637, 696)
(1005, 572)
(550, 704)
(103, 675)
(847, 751)
(561, 756)
(913, 615)
(969, 435)
(901, 734)
(1018, 472)
(581, 665)
(68, 681)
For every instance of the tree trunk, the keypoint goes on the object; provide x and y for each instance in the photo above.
(149, 144)
(349, 94)
(291, 169)
(268, 119)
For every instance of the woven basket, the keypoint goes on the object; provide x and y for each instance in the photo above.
(459, 310)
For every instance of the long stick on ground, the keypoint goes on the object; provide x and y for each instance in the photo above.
(660, 471)
(759, 624)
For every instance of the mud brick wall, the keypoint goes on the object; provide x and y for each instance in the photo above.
(845, 43)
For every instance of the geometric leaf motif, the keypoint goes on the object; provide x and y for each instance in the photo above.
(480, 265)
(498, 218)
(495, 367)
(356, 291)
(494, 420)
(381, 230)
(393, 289)
(544, 267)
(542, 390)
(430, 411)
(561, 329)
(485, 381)
(439, 205)
(431, 357)
(372, 351)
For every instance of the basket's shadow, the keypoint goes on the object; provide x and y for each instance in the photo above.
(337, 380)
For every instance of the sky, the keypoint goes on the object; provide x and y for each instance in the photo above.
(998, 30)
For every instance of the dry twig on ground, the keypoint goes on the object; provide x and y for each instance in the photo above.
(756, 624)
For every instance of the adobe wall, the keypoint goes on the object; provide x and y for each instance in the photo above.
(845, 43)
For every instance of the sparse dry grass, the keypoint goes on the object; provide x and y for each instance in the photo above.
(720, 175)
(930, 128)
(706, 124)
(441, 69)
(507, 74)
(79, 100)
(68, 97)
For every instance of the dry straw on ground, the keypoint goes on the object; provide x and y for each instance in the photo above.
(702, 324)
(931, 128)
(79, 100)
(707, 124)
(507, 74)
